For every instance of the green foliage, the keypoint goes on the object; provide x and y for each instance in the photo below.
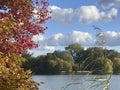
(89, 57)
(75, 67)
(116, 65)
(42, 66)
(65, 55)
(74, 49)
(27, 55)
(111, 54)
(102, 66)
(94, 59)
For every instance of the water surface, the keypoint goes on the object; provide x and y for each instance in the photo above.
(77, 82)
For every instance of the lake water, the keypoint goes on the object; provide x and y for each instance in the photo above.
(77, 82)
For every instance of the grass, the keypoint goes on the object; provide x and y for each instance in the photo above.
(76, 72)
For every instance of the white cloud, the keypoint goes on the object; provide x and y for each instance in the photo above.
(89, 14)
(112, 38)
(50, 48)
(110, 16)
(60, 39)
(41, 40)
(61, 15)
(84, 38)
(109, 3)
(38, 37)
(86, 14)
(58, 36)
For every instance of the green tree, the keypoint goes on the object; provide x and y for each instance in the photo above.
(65, 55)
(74, 49)
(111, 54)
(27, 55)
(89, 57)
(58, 65)
(116, 65)
(67, 66)
(102, 66)
(53, 68)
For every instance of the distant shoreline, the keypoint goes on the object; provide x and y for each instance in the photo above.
(77, 73)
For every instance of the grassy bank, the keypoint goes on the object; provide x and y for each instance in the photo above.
(76, 72)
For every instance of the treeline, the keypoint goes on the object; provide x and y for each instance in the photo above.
(74, 58)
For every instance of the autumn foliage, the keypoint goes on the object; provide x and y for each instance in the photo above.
(20, 20)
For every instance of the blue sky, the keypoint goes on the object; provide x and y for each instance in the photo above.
(73, 21)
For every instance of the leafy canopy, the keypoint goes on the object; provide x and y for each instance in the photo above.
(20, 20)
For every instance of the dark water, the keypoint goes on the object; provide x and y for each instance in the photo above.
(78, 82)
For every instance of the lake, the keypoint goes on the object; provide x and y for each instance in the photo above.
(77, 82)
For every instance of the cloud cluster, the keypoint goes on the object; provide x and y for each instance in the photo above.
(61, 15)
(112, 38)
(86, 14)
(84, 38)
(60, 39)
(89, 14)
(109, 3)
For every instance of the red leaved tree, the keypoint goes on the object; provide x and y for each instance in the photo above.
(20, 20)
